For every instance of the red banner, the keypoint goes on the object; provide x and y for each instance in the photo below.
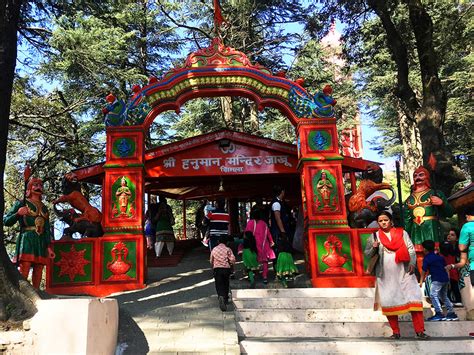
(215, 159)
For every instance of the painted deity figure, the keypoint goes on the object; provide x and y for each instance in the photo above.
(123, 195)
(33, 244)
(423, 208)
(325, 187)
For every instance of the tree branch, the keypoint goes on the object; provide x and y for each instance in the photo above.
(41, 46)
(37, 30)
(399, 53)
(36, 128)
(192, 28)
(66, 110)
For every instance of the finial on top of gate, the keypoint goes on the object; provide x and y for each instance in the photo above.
(306, 105)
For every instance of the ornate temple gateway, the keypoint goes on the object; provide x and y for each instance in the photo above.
(312, 171)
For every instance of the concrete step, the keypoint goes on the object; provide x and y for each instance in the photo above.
(362, 346)
(324, 315)
(307, 298)
(304, 293)
(303, 303)
(347, 329)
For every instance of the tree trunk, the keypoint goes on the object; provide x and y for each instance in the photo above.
(432, 140)
(226, 104)
(410, 136)
(249, 117)
(470, 166)
(430, 114)
(430, 117)
(17, 295)
(254, 124)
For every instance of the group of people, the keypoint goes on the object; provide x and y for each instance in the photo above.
(397, 289)
(159, 221)
(264, 240)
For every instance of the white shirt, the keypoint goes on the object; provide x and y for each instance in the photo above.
(276, 205)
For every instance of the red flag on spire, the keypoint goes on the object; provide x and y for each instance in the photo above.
(218, 18)
(27, 173)
(432, 162)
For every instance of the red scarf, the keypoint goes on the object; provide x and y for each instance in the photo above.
(397, 244)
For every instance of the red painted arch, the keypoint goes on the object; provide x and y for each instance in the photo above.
(218, 92)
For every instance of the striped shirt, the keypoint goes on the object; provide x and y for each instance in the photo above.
(218, 223)
(222, 257)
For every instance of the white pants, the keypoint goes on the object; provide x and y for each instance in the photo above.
(159, 248)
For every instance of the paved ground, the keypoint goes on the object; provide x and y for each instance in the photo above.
(178, 311)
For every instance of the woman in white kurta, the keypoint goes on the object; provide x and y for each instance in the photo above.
(397, 290)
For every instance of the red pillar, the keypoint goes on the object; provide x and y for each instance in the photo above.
(184, 220)
(334, 250)
(123, 193)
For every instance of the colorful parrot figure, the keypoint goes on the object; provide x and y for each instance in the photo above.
(137, 107)
(115, 112)
(319, 105)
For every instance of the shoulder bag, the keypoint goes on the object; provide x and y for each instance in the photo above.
(373, 260)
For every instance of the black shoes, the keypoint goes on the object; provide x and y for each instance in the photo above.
(419, 336)
(422, 336)
(222, 304)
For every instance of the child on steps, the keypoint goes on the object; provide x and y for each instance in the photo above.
(285, 266)
(435, 265)
(249, 257)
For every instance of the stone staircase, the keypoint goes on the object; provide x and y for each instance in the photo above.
(335, 320)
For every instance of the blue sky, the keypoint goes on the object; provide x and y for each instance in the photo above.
(369, 133)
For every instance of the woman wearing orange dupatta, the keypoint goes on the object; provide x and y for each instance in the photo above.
(397, 290)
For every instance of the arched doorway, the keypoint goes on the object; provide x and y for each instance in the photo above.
(116, 260)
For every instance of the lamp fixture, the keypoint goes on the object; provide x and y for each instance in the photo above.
(221, 185)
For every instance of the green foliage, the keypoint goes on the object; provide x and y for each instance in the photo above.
(455, 29)
(45, 132)
(196, 117)
(191, 208)
(320, 65)
(88, 54)
(391, 177)
(276, 126)
(367, 47)
(261, 29)
(109, 48)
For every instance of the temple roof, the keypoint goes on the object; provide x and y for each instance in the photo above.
(463, 198)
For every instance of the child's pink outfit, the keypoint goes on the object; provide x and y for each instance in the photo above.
(264, 241)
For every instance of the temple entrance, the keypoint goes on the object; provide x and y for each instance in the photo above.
(223, 163)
